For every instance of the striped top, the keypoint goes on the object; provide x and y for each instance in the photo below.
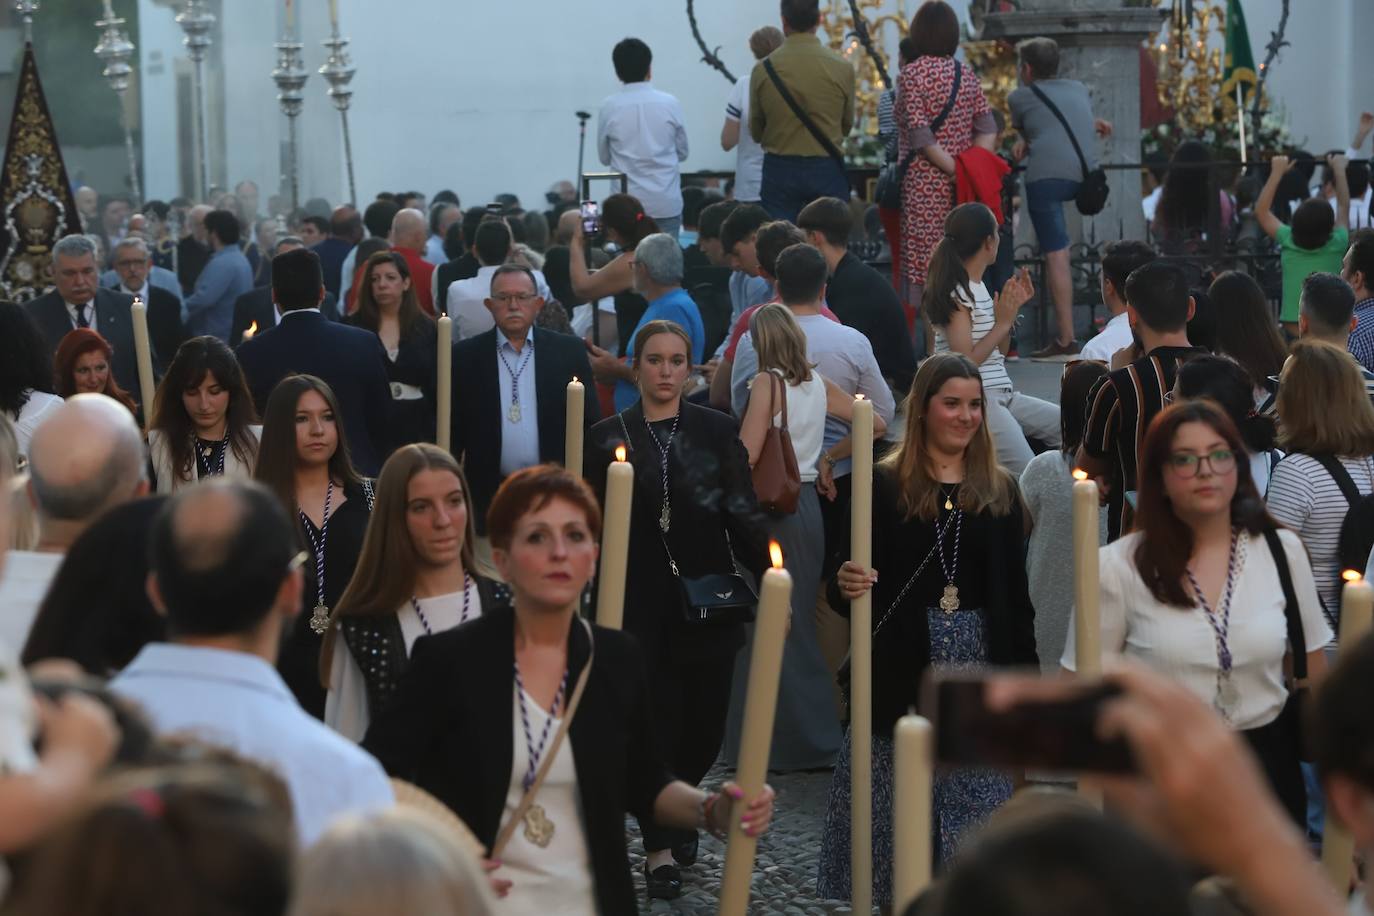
(994, 366)
(1303, 497)
(887, 123)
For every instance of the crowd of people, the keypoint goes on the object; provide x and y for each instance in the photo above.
(267, 648)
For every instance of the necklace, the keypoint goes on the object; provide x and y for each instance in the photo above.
(949, 603)
(538, 828)
(665, 517)
(467, 598)
(513, 414)
(1227, 695)
(949, 495)
(319, 618)
(205, 449)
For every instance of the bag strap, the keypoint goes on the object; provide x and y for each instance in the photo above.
(1054, 109)
(801, 114)
(1297, 640)
(939, 121)
(1338, 473)
(508, 830)
(774, 383)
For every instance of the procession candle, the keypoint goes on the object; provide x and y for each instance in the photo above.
(572, 437)
(615, 542)
(861, 661)
(144, 352)
(109, 10)
(334, 14)
(911, 811)
(1087, 632)
(765, 667)
(1357, 609)
(444, 385)
(290, 18)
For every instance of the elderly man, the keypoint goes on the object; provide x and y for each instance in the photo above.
(658, 278)
(249, 199)
(210, 308)
(85, 458)
(88, 206)
(467, 299)
(193, 248)
(409, 231)
(135, 275)
(441, 216)
(79, 302)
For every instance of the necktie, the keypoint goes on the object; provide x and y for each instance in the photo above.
(81, 320)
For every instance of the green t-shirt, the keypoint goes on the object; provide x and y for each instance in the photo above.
(1299, 263)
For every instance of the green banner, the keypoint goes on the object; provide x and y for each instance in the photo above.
(1240, 61)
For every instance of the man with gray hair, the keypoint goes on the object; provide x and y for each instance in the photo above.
(79, 302)
(657, 267)
(134, 275)
(85, 458)
(133, 282)
(409, 230)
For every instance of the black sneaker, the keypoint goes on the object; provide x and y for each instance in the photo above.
(685, 854)
(663, 883)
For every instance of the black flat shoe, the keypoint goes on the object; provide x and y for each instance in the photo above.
(663, 883)
(685, 854)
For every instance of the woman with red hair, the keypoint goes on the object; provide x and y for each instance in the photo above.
(83, 367)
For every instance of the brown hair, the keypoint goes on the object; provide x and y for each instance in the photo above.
(772, 239)
(1166, 542)
(195, 359)
(1323, 405)
(277, 457)
(531, 489)
(1074, 387)
(935, 30)
(76, 343)
(1041, 55)
(967, 227)
(368, 315)
(765, 41)
(780, 343)
(1246, 330)
(653, 329)
(625, 214)
(987, 486)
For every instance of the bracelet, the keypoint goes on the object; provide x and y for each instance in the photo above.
(829, 460)
(705, 809)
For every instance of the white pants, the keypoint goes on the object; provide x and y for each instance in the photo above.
(1011, 417)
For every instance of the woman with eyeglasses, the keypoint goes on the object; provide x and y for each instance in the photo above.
(1198, 589)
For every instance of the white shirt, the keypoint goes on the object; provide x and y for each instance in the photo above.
(91, 320)
(345, 706)
(1150, 203)
(519, 437)
(641, 132)
(434, 250)
(1359, 212)
(467, 302)
(1116, 335)
(33, 412)
(748, 153)
(806, 414)
(981, 315)
(555, 880)
(23, 586)
(18, 720)
(1180, 642)
(238, 701)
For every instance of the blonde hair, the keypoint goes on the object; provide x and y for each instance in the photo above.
(987, 486)
(395, 861)
(780, 343)
(1322, 403)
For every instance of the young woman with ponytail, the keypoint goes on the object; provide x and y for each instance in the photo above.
(970, 320)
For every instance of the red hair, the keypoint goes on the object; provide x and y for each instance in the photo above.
(72, 347)
(531, 489)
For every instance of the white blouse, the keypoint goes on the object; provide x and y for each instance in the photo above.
(806, 413)
(553, 880)
(1180, 642)
(345, 706)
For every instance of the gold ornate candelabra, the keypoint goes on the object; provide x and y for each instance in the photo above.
(887, 28)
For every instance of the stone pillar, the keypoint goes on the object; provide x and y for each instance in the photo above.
(1099, 42)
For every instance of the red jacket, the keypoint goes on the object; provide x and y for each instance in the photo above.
(978, 176)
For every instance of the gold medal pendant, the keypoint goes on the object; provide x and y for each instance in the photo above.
(950, 602)
(514, 413)
(319, 620)
(949, 506)
(538, 828)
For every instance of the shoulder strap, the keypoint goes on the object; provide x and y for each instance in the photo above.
(1297, 640)
(776, 382)
(1054, 109)
(1338, 473)
(940, 118)
(801, 114)
(555, 745)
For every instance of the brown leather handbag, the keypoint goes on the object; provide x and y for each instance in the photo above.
(777, 482)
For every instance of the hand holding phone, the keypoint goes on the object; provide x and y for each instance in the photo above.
(590, 213)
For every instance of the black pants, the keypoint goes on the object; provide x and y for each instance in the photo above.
(690, 701)
(1276, 746)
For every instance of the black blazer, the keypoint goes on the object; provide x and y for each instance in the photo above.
(417, 364)
(256, 305)
(866, 301)
(115, 325)
(478, 406)
(449, 729)
(351, 360)
(165, 331)
(464, 267)
(712, 496)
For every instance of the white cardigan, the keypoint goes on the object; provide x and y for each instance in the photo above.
(168, 480)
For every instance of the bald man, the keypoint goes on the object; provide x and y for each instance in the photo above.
(409, 230)
(85, 458)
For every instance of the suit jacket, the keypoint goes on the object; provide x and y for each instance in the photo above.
(477, 405)
(351, 360)
(464, 267)
(256, 305)
(165, 330)
(112, 319)
(449, 729)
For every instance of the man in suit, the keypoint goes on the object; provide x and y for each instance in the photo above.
(345, 232)
(132, 264)
(351, 360)
(79, 302)
(255, 306)
(510, 389)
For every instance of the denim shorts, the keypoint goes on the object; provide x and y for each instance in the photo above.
(1045, 201)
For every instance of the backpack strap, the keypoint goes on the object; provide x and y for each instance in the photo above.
(801, 114)
(1054, 110)
(1297, 640)
(1338, 473)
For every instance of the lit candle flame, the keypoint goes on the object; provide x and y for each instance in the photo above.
(1352, 575)
(858, 397)
(775, 552)
(575, 381)
(1080, 474)
(620, 453)
(250, 331)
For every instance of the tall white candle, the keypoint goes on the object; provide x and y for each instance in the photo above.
(143, 351)
(765, 667)
(1357, 609)
(911, 800)
(334, 13)
(861, 662)
(572, 437)
(1087, 632)
(615, 542)
(290, 18)
(443, 384)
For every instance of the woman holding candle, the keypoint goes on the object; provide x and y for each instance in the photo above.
(693, 506)
(950, 591)
(83, 367)
(522, 673)
(1197, 590)
(203, 423)
(416, 576)
(304, 460)
(389, 307)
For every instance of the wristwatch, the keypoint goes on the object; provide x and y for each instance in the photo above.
(828, 459)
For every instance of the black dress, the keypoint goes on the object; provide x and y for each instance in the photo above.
(415, 366)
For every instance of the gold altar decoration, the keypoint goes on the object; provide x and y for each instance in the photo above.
(886, 29)
(1190, 65)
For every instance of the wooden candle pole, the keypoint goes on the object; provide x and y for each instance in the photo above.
(765, 667)
(143, 351)
(615, 542)
(572, 437)
(1357, 609)
(443, 384)
(911, 799)
(861, 663)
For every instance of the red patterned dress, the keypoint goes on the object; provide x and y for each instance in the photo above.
(923, 88)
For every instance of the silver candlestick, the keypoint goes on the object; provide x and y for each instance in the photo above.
(26, 9)
(196, 22)
(290, 76)
(338, 72)
(115, 49)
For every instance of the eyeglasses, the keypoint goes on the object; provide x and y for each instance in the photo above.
(1187, 465)
(506, 298)
(141, 262)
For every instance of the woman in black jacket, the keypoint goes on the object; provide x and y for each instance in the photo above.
(481, 707)
(692, 472)
(948, 539)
